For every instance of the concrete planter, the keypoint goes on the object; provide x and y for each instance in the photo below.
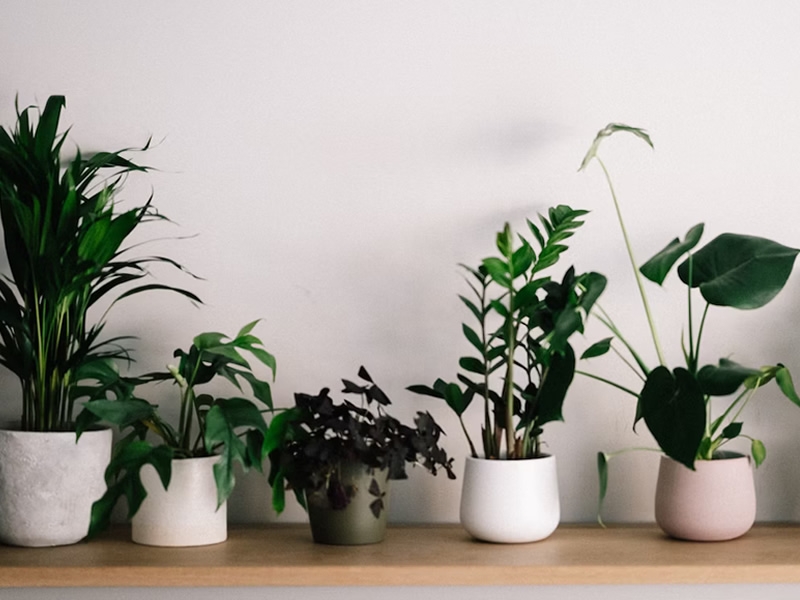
(713, 503)
(186, 513)
(510, 501)
(356, 523)
(48, 484)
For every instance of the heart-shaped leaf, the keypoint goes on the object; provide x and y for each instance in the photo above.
(738, 270)
(674, 409)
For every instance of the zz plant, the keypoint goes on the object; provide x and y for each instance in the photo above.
(311, 442)
(65, 241)
(232, 427)
(524, 319)
(732, 270)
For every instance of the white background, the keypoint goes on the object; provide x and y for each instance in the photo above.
(336, 160)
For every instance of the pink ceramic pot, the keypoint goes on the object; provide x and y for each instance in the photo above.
(715, 502)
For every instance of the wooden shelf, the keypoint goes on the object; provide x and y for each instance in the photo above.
(412, 555)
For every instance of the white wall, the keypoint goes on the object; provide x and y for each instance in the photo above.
(338, 159)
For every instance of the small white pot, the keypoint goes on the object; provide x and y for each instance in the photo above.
(510, 501)
(186, 513)
(48, 484)
(713, 503)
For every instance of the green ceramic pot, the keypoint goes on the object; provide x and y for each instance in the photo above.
(363, 519)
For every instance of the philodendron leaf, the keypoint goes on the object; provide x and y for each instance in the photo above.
(725, 378)
(759, 451)
(223, 421)
(674, 409)
(732, 430)
(784, 379)
(602, 476)
(657, 268)
(608, 130)
(741, 271)
(597, 349)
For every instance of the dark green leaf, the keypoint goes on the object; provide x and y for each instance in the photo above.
(657, 268)
(598, 348)
(724, 379)
(732, 431)
(554, 386)
(740, 271)
(473, 365)
(674, 409)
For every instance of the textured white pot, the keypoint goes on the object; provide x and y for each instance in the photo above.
(713, 503)
(48, 484)
(510, 501)
(186, 513)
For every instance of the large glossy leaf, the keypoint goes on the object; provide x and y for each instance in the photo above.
(725, 378)
(674, 409)
(740, 271)
(657, 268)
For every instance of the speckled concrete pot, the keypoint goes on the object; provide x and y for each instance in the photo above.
(713, 503)
(186, 513)
(48, 484)
(510, 501)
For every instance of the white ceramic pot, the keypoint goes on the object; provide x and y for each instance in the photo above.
(713, 503)
(186, 513)
(510, 501)
(48, 484)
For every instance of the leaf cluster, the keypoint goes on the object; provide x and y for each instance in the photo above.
(309, 443)
(523, 363)
(65, 243)
(732, 270)
(232, 427)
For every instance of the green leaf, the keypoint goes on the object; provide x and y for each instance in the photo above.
(674, 409)
(739, 271)
(554, 386)
(456, 399)
(732, 431)
(473, 337)
(222, 422)
(471, 364)
(785, 383)
(657, 268)
(593, 285)
(608, 130)
(598, 348)
(121, 413)
(498, 271)
(724, 379)
(424, 390)
(759, 452)
(521, 260)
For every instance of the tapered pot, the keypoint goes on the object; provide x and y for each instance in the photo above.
(510, 501)
(713, 503)
(48, 483)
(186, 513)
(363, 519)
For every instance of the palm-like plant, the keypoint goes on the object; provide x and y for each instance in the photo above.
(64, 239)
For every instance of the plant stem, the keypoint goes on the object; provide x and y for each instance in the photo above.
(636, 273)
(609, 382)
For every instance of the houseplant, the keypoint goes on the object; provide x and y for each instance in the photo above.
(338, 459)
(523, 369)
(65, 240)
(162, 481)
(732, 270)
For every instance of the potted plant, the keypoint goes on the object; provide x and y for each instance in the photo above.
(732, 270)
(522, 371)
(338, 459)
(176, 489)
(65, 240)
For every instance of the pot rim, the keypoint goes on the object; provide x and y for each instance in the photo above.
(511, 461)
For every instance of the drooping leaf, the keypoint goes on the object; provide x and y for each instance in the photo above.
(785, 383)
(740, 271)
(657, 268)
(608, 130)
(554, 386)
(723, 379)
(674, 409)
(759, 451)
